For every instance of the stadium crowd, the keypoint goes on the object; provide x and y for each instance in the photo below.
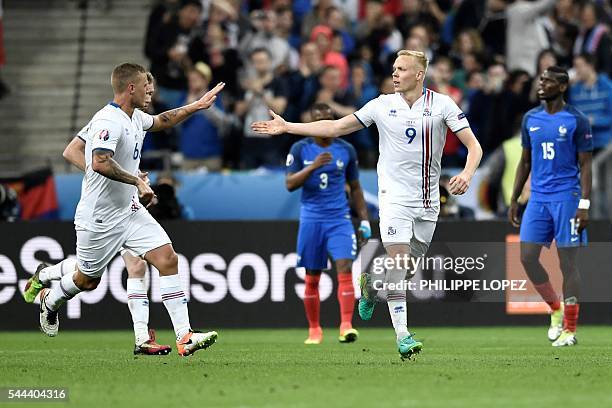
(287, 55)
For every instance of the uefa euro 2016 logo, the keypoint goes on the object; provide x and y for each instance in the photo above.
(103, 135)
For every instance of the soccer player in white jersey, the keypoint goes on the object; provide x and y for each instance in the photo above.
(109, 215)
(412, 124)
(138, 302)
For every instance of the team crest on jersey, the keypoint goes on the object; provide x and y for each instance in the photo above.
(103, 135)
(393, 113)
(340, 164)
(391, 231)
(426, 112)
(562, 133)
(290, 160)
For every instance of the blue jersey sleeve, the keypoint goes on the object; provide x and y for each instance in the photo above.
(583, 137)
(525, 139)
(352, 168)
(294, 158)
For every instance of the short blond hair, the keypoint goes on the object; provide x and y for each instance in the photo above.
(420, 56)
(124, 74)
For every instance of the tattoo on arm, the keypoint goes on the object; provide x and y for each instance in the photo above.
(170, 118)
(108, 167)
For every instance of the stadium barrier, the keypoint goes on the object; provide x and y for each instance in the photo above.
(241, 274)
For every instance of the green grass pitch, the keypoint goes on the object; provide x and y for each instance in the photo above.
(459, 367)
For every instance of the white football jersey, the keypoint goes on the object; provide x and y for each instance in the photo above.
(104, 202)
(411, 140)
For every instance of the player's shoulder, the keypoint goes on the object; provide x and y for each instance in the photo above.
(343, 144)
(300, 144)
(110, 112)
(572, 110)
(534, 111)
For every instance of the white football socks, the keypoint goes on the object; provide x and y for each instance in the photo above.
(396, 301)
(138, 302)
(176, 303)
(55, 272)
(66, 290)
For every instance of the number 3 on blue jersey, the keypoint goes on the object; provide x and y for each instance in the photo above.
(410, 134)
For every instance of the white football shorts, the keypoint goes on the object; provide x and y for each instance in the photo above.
(400, 224)
(139, 234)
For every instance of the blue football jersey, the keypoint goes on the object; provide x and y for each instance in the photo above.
(323, 194)
(555, 141)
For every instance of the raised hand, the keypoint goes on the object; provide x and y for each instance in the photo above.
(209, 97)
(322, 159)
(276, 126)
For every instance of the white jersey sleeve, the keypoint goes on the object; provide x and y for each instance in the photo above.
(453, 115)
(83, 133)
(368, 113)
(146, 119)
(105, 134)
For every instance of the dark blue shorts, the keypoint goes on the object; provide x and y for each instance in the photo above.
(318, 240)
(544, 221)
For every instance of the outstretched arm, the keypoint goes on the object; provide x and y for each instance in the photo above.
(460, 183)
(320, 128)
(172, 117)
(74, 153)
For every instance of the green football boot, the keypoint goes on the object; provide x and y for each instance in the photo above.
(366, 306)
(34, 285)
(408, 347)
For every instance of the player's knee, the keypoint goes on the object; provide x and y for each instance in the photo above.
(529, 258)
(137, 269)
(344, 266)
(85, 282)
(169, 260)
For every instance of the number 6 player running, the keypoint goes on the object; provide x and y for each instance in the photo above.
(557, 151)
(138, 302)
(412, 124)
(322, 167)
(109, 215)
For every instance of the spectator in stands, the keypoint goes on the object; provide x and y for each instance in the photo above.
(322, 36)
(526, 34)
(170, 53)
(594, 38)
(489, 113)
(441, 75)
(493, 28)
(4, 90)
(263, 35)
(474, 82)
(335, 20)
(201, 133)
(592, 95)
(304, 82)
(363, 91)
(315, 17)
(161, 14)
(214, 48)
(285, 30)
(339, 99)
(263, 91)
